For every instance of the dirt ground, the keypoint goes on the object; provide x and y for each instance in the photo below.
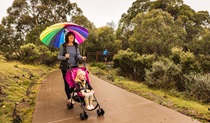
(120, 106)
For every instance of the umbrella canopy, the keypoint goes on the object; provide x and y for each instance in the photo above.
(54, 35)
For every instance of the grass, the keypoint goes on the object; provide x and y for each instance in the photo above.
(170, 99)
(19, 84)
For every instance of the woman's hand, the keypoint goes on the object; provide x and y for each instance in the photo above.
(67, 56)
(84, 58)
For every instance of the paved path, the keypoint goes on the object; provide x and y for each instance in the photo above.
(120, 105)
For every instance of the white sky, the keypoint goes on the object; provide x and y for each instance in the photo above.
(102, 11)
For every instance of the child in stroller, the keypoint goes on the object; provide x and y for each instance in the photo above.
(84, 89)
(77, 78)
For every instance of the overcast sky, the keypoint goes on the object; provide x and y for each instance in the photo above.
(102, 11)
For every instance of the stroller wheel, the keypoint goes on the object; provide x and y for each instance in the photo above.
(102, 111)
(83, 116)
(70, 106)
(99, 112)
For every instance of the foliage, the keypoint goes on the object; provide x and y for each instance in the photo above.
(124, 59)
(198, 86)
(201, 44)
(204, 62)
(155, 32)
(30, 53)
(167, 22)
(165, 74)
(124, 30)
(99, 65)
(132, 64)
(186, 60)
(104, 38)
(141, 63)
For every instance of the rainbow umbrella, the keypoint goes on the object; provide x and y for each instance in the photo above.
(54, 35)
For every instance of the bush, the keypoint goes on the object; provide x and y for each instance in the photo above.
(164, 74)
(101, 65)
(204, 62)
(141, 63)
(187, 60)
(32, 54)
(133, 65)
(124, 59)
(198, 86)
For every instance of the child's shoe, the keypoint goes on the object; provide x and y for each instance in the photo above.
(88, 107)
(91, 106)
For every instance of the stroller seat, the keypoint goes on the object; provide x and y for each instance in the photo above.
(72, 73)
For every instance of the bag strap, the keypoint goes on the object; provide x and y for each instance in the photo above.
(64, 50)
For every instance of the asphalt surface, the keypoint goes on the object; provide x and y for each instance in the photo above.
(120, 106)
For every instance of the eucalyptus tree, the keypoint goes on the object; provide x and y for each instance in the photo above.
(201, 44)
(7, 48)
(125, 28)
(24, 15)
(106, 38)
(193, 22)
(27, 18)
(156, 32)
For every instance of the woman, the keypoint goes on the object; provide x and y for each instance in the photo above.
(69, 56)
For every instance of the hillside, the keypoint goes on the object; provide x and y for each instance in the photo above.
(18, 89)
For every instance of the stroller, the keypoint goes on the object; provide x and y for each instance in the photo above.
(76, 95)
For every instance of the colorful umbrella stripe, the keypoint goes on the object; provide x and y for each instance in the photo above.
(54, 35)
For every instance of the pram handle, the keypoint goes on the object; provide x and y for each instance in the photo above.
(70, 67)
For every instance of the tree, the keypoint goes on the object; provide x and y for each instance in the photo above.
(105, 38)
(8, 44)
(124, 29)
(201, 44)
(155, 32)
(28, 18)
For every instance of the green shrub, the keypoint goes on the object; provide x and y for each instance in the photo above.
(176, 55)
(189, 63)
(133, 65)
(39, 55)
(187, 60)
(198, 86)
(124, 59)
(93, 64)
(101, 65)
(140, 64)
(164, 74)
(204, 61)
